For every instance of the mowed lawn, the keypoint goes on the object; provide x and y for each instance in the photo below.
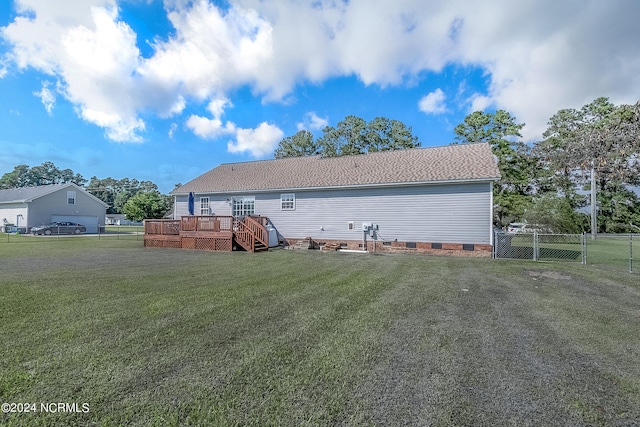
(170, 337)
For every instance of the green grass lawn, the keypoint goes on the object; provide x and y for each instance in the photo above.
(613, 252)
(124, 229)
(173, 337)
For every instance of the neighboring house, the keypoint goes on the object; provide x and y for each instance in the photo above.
(28, 207)
(120, 219)
(426, 199)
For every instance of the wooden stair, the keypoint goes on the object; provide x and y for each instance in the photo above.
(251, 234)
(209, 232)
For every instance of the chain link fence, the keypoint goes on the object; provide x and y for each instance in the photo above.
(124, 232)
(540, 247)
(613, 252)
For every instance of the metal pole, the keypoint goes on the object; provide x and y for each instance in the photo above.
(594, 208)
(630, 253)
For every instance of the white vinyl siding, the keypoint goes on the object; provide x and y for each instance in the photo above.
(288, 202)
(438, 213)
(451, 213)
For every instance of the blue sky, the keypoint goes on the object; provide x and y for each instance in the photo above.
(166, 90)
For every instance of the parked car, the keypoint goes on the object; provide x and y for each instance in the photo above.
(60, 228)
(517, 227)
(523, 227)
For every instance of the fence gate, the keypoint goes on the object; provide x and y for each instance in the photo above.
(540, 247)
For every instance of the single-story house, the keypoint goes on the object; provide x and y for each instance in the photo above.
(120, 219)
(433, 200)
(28, 207)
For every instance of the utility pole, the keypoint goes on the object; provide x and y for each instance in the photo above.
(594, 207)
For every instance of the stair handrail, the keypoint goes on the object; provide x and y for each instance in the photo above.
(258, 229)
(245, 236)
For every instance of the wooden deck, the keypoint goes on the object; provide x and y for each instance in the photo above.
(210, 232)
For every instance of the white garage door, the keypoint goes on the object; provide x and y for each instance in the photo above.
(91, 222)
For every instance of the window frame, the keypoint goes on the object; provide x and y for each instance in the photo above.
(72, 197)
(290, 204)
(243, 206)
(205, 208)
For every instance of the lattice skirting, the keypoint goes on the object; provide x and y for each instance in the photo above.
(161, 243)
(207, 243)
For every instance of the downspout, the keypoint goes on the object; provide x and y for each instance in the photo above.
(175, 206)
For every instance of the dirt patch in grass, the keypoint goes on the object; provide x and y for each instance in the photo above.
(548, 274)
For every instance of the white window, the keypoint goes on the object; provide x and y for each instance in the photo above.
(288, 202)
(71, 197)
(243, 206)
(204, 206)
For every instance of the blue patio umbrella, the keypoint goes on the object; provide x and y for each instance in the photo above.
(191, 203)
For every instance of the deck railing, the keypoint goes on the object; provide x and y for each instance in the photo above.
(207, 223)
(248, 231)
(167, 227)
(257, 226)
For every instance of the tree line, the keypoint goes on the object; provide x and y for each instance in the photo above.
(545, 183)
(136, 199)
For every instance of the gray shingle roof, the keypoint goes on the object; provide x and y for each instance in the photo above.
(465, 162)
(27, 194)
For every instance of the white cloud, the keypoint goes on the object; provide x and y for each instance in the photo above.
(209, 128)
(212, 128)
(258, 142)
(479, 102)
(212, 51)
(93, 54)
(47, 97)
(536, 61)
(312, 121)
(117, 128)
(433, 103)
(172, 130)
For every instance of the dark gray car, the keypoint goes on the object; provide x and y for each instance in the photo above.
(60, 228)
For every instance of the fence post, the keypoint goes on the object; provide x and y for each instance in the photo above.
(630, 253)
(535, 246)
(495, 243)
(584, 248)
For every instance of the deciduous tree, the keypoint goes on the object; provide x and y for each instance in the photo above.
(45, 174)
(600, 140)
(146, 205)
(502, 132)
(298, 145)
(353, 135)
